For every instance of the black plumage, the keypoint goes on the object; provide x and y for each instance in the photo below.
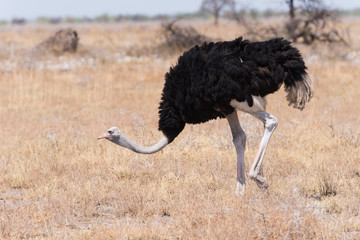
(206, 78)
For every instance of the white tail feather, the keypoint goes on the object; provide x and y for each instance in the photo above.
(300, 93)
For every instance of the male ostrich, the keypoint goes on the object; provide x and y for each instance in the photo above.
(218, 79)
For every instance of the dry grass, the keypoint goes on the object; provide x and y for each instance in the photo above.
(58, 182)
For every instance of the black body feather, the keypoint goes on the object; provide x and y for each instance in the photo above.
(206, 78)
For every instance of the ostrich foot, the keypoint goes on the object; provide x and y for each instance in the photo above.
(260, 181)
(240, 189)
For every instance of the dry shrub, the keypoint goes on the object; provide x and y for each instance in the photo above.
(174, 40)
(64, 40)
(178, 39)
(314, 25)
(262, 33)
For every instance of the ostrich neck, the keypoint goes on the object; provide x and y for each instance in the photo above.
(128, 143)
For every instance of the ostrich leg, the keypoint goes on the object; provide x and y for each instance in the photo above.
(270, 123)
(239, 140)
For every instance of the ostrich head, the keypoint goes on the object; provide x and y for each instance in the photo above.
(113, 134)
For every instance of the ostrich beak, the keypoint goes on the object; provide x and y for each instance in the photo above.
(105, 135)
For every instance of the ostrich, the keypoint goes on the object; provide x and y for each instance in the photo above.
(216, 80)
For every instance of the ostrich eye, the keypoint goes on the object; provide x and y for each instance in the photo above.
(110, 132)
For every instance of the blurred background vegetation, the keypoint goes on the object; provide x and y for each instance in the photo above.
(224, 8)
